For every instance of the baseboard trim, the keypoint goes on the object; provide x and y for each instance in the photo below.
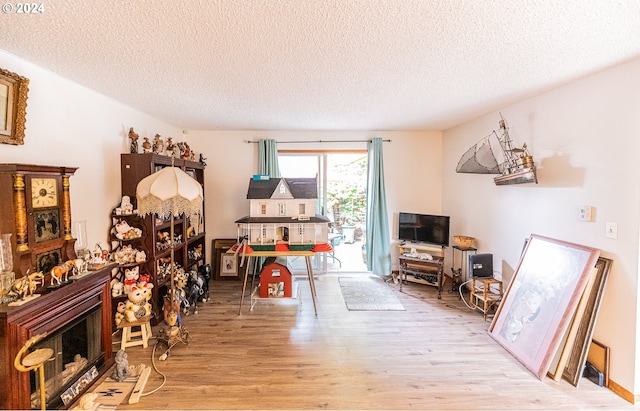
(622, 392)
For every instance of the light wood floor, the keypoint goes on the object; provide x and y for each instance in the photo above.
(434, 355)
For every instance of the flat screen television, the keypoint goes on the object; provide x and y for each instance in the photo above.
(424, 228)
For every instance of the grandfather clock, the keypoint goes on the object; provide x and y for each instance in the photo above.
(36, 210)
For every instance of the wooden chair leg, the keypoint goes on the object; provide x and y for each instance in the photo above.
(126, 331)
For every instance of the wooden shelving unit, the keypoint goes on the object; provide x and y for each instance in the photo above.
(119, 271)
(190, 251)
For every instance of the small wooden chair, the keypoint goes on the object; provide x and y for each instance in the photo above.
(130, 337)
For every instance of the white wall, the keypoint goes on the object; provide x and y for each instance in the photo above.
(585, 140)
(412, 165)
(70, 125)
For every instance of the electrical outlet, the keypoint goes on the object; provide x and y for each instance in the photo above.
(612, 231)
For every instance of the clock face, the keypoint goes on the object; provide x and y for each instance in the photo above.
(44, 192)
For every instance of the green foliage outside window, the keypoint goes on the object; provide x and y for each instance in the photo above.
(346, 193)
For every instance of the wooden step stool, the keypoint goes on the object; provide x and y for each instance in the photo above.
(129, 337)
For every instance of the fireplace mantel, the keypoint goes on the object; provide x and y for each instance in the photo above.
(50, 313)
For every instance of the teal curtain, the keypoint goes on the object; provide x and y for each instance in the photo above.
(268, 158)
(378, 240)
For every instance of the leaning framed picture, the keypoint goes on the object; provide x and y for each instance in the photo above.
(229, 265)
(220, 247)
(580, 350)
(540, 300)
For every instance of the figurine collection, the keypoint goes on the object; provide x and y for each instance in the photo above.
(159, 146)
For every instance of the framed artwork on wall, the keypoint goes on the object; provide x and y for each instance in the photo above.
(13, 107)
(540, 300)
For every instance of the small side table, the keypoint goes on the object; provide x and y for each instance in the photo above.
(483, 297)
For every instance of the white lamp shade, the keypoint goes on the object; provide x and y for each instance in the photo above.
(169, 191)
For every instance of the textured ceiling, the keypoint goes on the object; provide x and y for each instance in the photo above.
(323, 64)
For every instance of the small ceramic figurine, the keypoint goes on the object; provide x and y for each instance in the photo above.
(121, 370)
(134, 141)
(170, 147)
(184, 150)
(131, 276)
(126, 206)
(137, 305)
(123, 231)
(158, 144)
(117, 289)
(146, 145)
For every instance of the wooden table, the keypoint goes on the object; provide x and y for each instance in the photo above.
(306, 254)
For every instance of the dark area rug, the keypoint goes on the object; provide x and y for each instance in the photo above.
(368, 294)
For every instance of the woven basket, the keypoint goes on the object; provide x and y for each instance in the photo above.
(463, 241)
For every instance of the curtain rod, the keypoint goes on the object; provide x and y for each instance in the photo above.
(319, 141)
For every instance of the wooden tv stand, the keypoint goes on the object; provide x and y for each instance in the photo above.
(419, 270)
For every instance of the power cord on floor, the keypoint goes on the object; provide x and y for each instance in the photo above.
(153, 364)
(460, 287)
(170, 337)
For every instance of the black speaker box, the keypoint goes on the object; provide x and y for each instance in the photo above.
(481, 265)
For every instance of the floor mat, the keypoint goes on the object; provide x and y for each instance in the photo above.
(111, 393)
(368, 294)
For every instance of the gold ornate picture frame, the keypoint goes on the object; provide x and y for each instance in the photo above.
(13, 107)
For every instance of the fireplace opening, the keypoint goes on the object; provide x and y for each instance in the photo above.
(77, 356)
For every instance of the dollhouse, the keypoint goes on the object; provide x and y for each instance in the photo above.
(282, 216)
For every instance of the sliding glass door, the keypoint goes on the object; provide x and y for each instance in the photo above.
(341, 196)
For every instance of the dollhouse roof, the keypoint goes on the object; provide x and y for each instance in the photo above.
(299, 188)
(282, 220)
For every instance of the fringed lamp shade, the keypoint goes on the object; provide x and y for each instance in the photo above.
(169, 191)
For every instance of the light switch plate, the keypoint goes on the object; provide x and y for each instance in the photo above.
(612, 231)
